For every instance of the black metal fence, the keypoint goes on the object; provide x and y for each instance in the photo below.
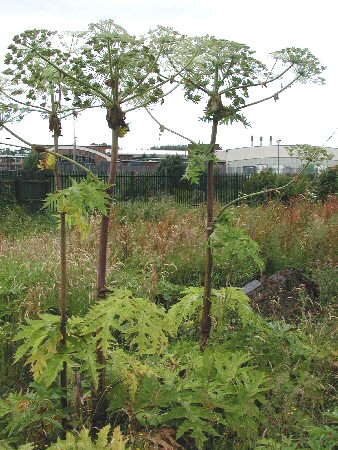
(32, 187)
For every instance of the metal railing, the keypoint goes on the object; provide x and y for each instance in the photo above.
(32, 187)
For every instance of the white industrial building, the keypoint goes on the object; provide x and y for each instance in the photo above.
(255, 159)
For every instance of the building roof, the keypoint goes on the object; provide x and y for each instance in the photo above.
(13, 156)
(260, 152)
(148, 152)
(83, 148)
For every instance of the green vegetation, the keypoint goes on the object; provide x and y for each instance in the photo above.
(31, 161)
(170, 147)
(317, 187)
(160, 344)
(256, 374)
(172, 165)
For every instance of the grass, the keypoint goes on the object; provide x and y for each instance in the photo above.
(155, 248)
(301, 234)
(158, 248)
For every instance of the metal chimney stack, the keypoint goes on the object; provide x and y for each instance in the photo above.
(270, 140)
(251, 141)
(261, 141)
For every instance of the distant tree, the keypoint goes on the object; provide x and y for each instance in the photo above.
(327, 183)
(31, 161)
(172, 168)
(7, 151)
(269, 180)
(169, 147)
(172, 165)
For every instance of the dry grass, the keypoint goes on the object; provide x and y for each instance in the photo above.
(149, 249)
(299, 234)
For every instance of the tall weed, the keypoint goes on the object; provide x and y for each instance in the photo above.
(297, 234)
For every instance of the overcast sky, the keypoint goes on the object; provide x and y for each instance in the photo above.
(304, 114)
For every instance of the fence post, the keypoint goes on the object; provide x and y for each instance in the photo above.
(166, 181)
(132, 185)
(16, 189)
(236, 186)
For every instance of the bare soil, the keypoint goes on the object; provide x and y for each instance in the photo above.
(287, 295)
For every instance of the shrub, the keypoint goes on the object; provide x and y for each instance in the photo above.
(327, 183)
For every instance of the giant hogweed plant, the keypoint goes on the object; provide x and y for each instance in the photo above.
(224, 74)
(113, 340)
(38, 81)
(227, 243)
(115, 70)
(75, 206)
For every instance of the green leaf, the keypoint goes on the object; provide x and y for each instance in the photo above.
(80, 201)
(139, 320)
(5, 408)
(232, 245)
(184, 309)
(41, 341)
(199, 156)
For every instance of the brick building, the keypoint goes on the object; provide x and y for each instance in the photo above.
(11, 162)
